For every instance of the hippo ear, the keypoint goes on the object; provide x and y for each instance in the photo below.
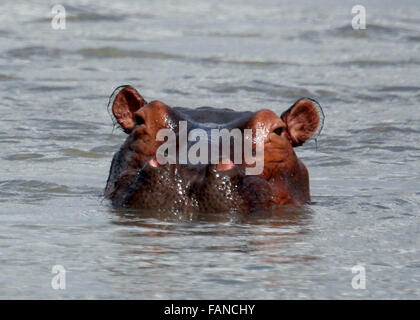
(304, 120)
(125, 102)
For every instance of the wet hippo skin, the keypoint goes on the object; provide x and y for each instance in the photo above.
(137, 180)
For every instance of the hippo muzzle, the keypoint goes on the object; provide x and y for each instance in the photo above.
(208, 159)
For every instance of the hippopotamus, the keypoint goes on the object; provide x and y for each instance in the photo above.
(138, 180)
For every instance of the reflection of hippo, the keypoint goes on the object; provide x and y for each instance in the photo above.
(138, 180)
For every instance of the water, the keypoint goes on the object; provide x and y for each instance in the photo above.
(57, 141)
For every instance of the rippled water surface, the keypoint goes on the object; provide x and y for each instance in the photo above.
(57, 140)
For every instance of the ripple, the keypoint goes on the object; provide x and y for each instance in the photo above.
(33, 186)
(376, 63)
(384, 128)
(399, 88)
(67, 124)
(372, 31)
(261, 86)
(32, 191)
(86, 14)
(94, 17)
(50, 88)
(80, 153)
(105, 149)
(249, 63)
(5, 77)
(224, 34)
(24, 156)
(414, 38)
(28, 52)
(400, 148)
(334, 162)
(112, 52)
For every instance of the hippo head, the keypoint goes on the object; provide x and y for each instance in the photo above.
(143, 175)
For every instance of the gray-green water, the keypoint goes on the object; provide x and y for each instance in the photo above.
(57, 140)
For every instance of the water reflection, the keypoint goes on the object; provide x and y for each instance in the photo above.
(249, 242)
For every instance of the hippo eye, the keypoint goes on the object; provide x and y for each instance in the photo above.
(278, 131)
(139, 120)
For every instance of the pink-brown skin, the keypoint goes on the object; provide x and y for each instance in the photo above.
(137, 180)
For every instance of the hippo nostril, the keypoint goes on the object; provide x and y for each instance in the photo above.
(225, 166)
(154, 163)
